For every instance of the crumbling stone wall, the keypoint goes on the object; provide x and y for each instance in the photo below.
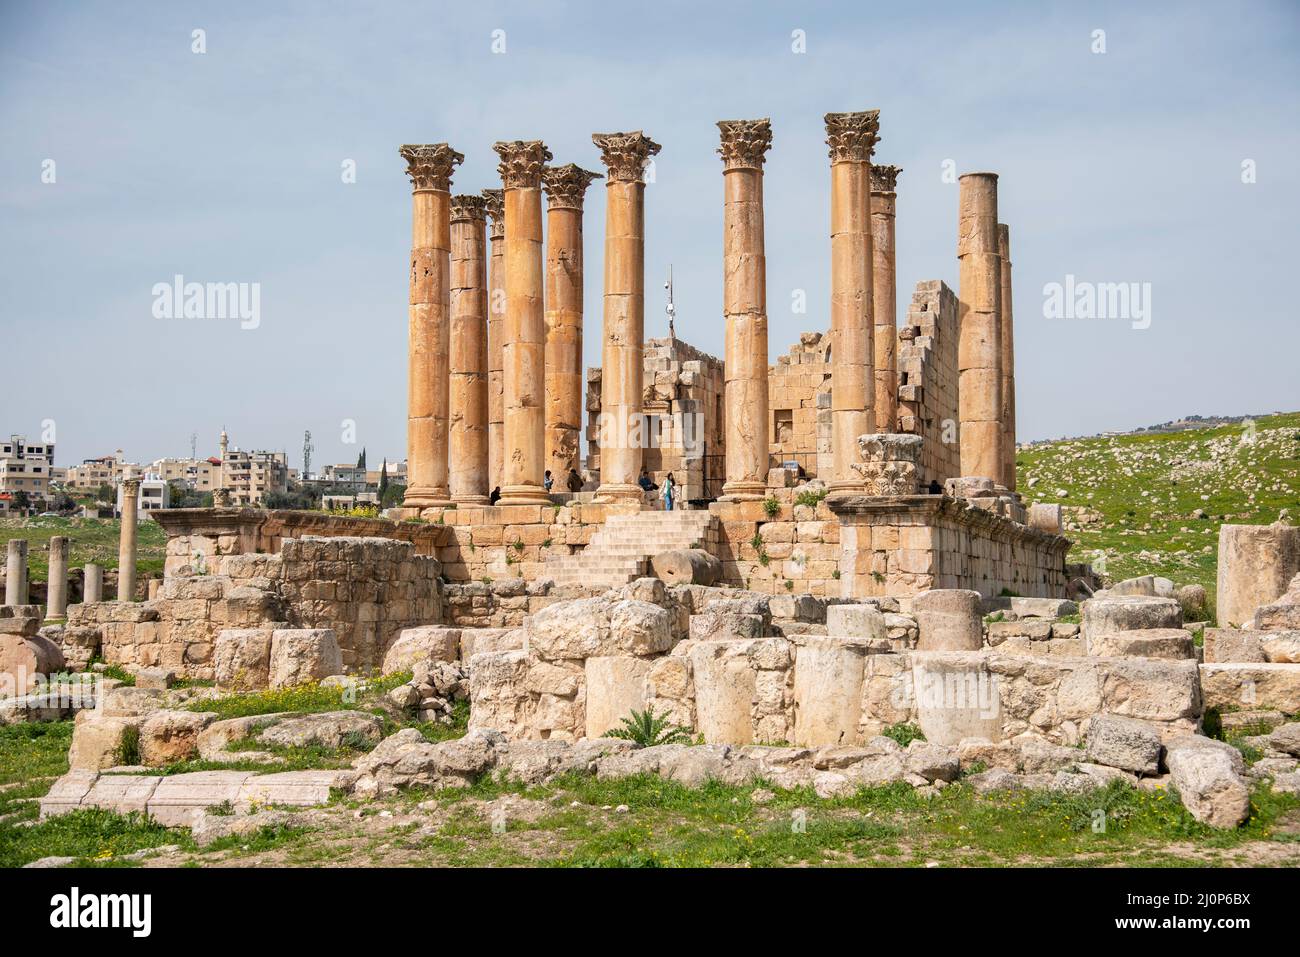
(908, 544)
(799, 403)
(927, 380)
(365, 589)
(720, 667)
(683, 404)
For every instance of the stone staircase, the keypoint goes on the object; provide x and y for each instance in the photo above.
(621, 550)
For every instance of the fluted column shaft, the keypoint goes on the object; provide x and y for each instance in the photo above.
(127, 538)
(744, 146)
(565, 187)
(1007, 330)
(469, 381)
(428, 396)
(623, 343)
(979, 350)
(884, 296)
(496, 304)
(523, 350)
(56, 591)
(852, 138)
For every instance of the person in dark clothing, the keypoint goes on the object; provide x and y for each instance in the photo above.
(645, 482)
(575, 481)
(547, 481)
(935, 487)
(495, 496)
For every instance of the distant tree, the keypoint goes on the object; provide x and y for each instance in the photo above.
(361, 459)
(392, 496)
(300, 499)
(63, 503)
(383, 479)
(106, 493)
(21, 501)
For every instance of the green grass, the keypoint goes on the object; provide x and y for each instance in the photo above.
(91, 540)
(669, 825)
(1156, 533)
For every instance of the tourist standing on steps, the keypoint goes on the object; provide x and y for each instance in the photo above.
(667, 493)
(575, 481)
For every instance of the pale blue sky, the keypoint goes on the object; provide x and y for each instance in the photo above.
(225, 167)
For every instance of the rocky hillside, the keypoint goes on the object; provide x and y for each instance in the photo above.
(1148, 503)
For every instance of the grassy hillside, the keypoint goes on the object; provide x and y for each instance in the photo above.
(1153, 503)
(92, 540)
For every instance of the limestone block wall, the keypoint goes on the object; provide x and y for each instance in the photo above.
(906, 544)
(799, 388)
(365, 589)
(794, 551)
(928, 379)
(497, 604)
(197, 537)
(178, 630)
(682, 401)
(588, 663)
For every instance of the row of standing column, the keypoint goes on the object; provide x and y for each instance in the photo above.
(496, 337)
(17, 587)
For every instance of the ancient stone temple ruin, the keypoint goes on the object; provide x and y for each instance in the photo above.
(847, 549)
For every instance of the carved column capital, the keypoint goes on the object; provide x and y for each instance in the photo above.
(625, 155)
(430, 165)
(522, 162)
(467, 208)
(744, 143)
(852, 137)
(494, 202)
(884, 179)
(566, 185)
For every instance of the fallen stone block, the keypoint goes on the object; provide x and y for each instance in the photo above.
(1104, 616)
(426, 643)
(1124, 743)
(1230, 686)
(170, 736)
(242, 659)
(856, 621)
(303, 655)
(1209, 784)
(1171, 643)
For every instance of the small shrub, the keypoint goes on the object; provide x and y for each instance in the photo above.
(904, 733)
(811, 498)
(771, 507)
(789, 585)
(647, 729)
(836, 574)
(757, 541)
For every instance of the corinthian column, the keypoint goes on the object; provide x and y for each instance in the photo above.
(852, 138)
(496, 315)
(523, 341)
(622, 375)
(744, 146)
(884, 296)
(469, 384)
(126, 539)
(430, 170)
(565, 187)
(979, 349)
(1008, 363)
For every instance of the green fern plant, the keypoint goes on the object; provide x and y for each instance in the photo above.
(647, 729)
